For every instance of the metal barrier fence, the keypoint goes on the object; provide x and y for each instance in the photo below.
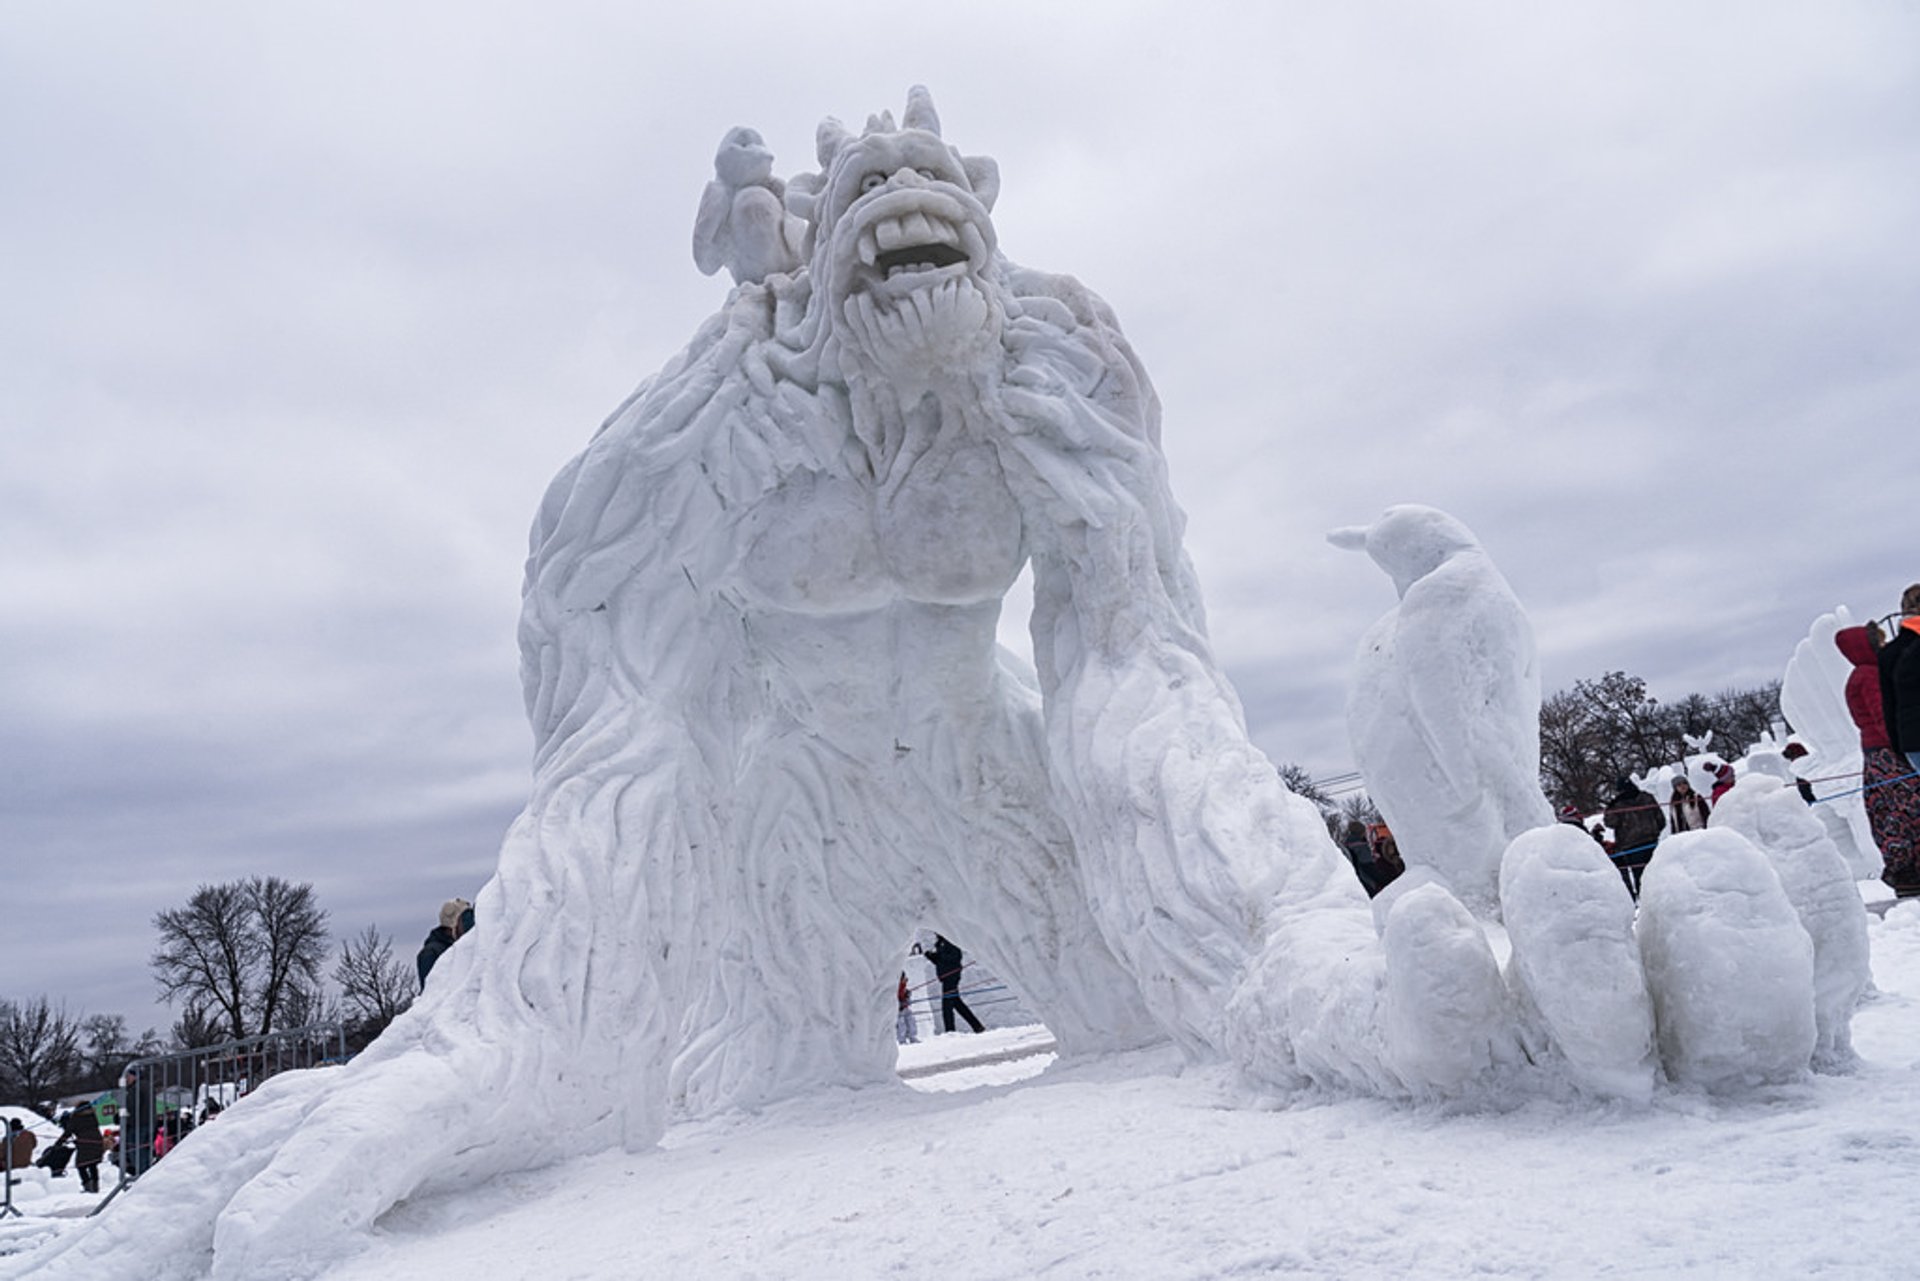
(163, 1097)
(6, 1173)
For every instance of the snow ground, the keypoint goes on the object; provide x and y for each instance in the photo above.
(1130, 1168)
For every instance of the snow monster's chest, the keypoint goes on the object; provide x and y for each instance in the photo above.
(947, 533)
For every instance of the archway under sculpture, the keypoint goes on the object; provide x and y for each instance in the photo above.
(774, 732)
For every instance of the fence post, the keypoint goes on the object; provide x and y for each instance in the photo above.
(148, 1084)
(6, 1172)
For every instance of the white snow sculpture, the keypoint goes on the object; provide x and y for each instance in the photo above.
(1447, 1014)
(1771, 815)
(743, 223)
(1729, 966)
(1575, 970)
(1813, 697)
(774, 734)
(1444, 709)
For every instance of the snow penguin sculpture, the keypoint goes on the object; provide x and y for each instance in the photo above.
(1444, 708)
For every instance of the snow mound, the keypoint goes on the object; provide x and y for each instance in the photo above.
(1729, 965)
(1575, 971)
(1819, 884)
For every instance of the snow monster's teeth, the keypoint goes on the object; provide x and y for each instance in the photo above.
(916, 230)
(869, 248)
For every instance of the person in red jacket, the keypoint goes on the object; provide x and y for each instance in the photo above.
(1893, 806)
(1723, 779)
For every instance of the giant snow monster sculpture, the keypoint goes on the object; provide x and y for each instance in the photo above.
(774, 733)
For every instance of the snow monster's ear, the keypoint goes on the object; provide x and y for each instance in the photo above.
(983, 176)
(1351, 538)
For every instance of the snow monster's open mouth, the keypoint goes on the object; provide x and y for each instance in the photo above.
(908, 240)
(917, 258)
(914, 242)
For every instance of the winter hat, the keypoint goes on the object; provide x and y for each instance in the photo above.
(450, 912)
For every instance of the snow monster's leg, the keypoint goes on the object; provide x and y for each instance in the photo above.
(1006, 882)
(803, 992)
(545, 1032)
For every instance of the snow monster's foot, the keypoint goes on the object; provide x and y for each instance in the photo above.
(291, 1179)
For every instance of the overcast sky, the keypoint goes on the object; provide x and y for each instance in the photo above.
(302, 305)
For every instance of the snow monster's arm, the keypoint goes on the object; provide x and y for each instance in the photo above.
(1189, 840)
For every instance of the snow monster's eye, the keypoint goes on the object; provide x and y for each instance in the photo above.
(872, 182)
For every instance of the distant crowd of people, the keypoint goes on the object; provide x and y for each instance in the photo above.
(83, 1143)
(1883, 695)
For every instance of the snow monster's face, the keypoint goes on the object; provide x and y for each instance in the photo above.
(904, 249)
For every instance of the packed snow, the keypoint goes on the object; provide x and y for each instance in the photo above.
(1127, 1166)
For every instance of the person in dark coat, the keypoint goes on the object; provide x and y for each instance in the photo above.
(1899, 662)
(1893, 799)
(82, 1125)
(1637, 822)
(138, 1123)
(441, 937)
(54, 1159)
(947, 961)
(1359, 852)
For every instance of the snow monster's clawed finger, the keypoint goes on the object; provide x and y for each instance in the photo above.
(340, 1171)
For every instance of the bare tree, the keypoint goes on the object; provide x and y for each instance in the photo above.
(374, 987)
(1602, 730)
(237, 953)
(295, 941)
(198, 1027)
(1741, 716)
(1358, 808)
(1301, 783)
(39, 1051)
(109, 1048)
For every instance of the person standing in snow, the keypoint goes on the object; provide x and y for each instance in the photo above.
(947, 961)
(82, 1125)
(1688, 806)
(441, 937)
(906, 1029)
(1359, 851)
(1723, 780)
(1893, 799)
(137, 1124)
(1899, 663)
(1637, 822)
